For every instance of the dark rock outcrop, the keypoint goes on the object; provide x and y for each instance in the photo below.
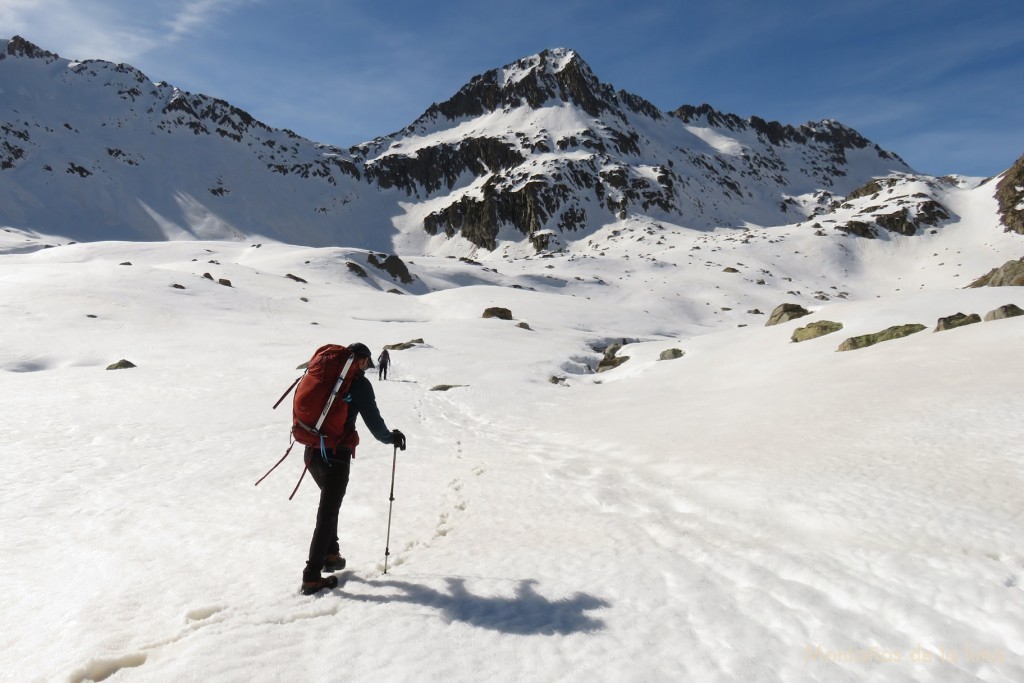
(785, 312)
(19, 47)
(497, 312)
(865, 340)
(553, 76)
(1010, 195)
(403, 345)
(610, 360)
(1004, 311)
(393, 266)
(818, 328)
(858, 228)
(956, 320)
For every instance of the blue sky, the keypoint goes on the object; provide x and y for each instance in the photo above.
(939, 82)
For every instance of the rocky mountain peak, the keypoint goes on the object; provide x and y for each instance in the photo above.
(551, 76)
(19, 47)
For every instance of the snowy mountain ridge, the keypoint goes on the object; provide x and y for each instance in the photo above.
(539, 152)
(567, 154)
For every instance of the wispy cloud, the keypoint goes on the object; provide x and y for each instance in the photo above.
(116, 30)
(194, 15)
(73, 30)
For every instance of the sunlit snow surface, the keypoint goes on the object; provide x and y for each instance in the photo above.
(756, 510)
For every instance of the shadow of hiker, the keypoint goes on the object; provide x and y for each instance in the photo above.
(526, 613)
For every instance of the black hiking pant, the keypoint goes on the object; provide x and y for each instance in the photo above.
(332, 478)
(382, 373)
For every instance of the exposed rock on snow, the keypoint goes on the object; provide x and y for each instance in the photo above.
(404, 345)
(1005, 311)
(610, 360)
(1010, 274)
(393, 266)
(816, 329)
(497, 312)
(894, 332)
(1010, 193)
(784, 312)
(956, 320)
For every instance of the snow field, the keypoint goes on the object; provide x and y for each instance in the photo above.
(755, 510)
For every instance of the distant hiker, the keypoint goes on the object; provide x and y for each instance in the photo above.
(330, 470)
(383, 361)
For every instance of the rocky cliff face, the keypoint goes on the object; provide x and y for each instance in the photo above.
(539, 150)
(1010, 193)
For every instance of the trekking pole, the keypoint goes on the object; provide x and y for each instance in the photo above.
(387, 543)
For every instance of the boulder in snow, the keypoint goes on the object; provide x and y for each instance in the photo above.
(956, 320)
(784, 312)
(818, 328)
(894, 332)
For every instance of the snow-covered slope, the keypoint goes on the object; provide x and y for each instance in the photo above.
(754, 510)
(93, 150)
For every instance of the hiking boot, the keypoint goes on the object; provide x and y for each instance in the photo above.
(318, 584)
(334, 563)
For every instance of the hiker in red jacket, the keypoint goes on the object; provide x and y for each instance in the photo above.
(330, 470)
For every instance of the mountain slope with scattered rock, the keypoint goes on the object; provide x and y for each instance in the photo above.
(537, 153)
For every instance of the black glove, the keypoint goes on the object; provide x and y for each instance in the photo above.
(398, 439)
